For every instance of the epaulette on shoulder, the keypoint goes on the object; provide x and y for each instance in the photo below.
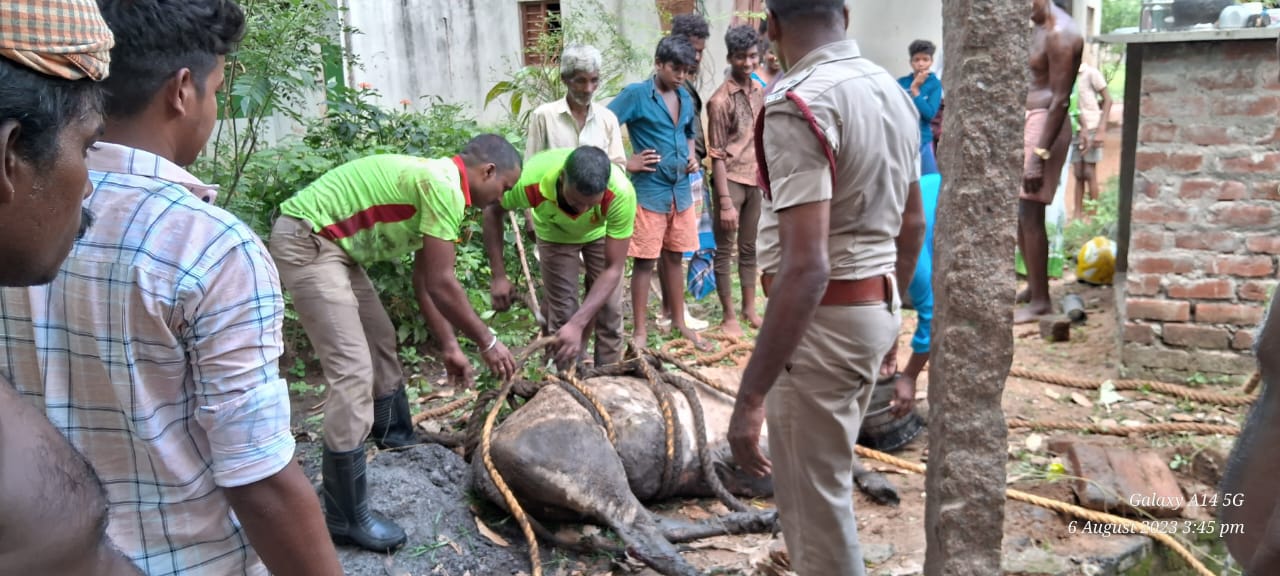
(779, 92)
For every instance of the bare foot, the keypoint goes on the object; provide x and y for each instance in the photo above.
(690, 335)
(1022, 297)
(731, 328)
(640, 340)
(1030, 313)
(753, 318)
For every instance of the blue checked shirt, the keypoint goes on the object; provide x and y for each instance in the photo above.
(155, 352)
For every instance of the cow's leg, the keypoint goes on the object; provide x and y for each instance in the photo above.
(874, 484)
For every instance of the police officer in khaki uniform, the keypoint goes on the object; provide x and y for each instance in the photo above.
(840, 230)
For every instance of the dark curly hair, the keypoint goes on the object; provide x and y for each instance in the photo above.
(922, 47)
(691, 26)
(740, 39)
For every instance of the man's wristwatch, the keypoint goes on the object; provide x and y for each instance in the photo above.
(1041, 152)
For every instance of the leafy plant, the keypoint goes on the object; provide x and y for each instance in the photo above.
(589, 23)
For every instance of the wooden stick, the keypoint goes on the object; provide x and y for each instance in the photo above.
(524, 264)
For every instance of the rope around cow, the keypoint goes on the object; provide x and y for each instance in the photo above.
(671, 353)
(644, 360)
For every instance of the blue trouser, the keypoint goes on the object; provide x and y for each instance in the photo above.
(921, 287)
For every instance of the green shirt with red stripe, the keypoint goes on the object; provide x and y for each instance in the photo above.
(614, 217)
(378, 208)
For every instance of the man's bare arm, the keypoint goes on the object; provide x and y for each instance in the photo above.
(910, 239)
(281, 516)
(436, 322)
(54, 516)
(1252, 466)
(1064, 50)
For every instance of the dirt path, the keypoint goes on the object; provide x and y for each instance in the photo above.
(427, 488)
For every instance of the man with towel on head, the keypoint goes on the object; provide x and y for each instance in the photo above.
(52, 54)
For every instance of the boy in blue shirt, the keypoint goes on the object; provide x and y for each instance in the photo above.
(659, 115)
(926, 91)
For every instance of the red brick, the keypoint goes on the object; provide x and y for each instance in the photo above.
(1185, 162)
(1266, 191)
(1239, 314)
(1119, 480)
(1264, 244)
(1218, 80)
(1253, 164)
(1148, 188)
(1143, 284)
(1155, 84)
(1139, 333)
(1241, 215)
(1197, 189)
(1204, 135)
(1210, 241)
(1148, 241)
(1158, 133)
(1157, 264)
(1153, 213)
(1147, 161)
(1175, 106)
(1247, 105)
(1246, 266)
(1243, 340)
(1189, 336)
(1163, 310)
(1257, 290)
(1215, 289)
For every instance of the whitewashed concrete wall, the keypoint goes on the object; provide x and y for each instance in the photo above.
(884, 29)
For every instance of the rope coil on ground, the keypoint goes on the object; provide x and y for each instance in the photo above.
(1175, 390)
(1063, 507)
(1160, 428)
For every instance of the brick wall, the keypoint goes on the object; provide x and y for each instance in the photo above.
(1205, 222)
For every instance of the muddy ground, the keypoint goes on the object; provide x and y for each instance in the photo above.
(426, 488)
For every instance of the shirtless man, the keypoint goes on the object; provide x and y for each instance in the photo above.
(1249, 487)
(53, 53)
(1056, 50)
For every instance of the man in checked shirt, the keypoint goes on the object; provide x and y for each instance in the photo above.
(155, 349)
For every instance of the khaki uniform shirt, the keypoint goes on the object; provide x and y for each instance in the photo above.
(874, 132)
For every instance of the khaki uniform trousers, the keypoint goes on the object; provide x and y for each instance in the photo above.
(349, 330)
(813, 413)
(560, 268)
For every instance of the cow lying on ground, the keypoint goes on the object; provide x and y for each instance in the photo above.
(558, 461)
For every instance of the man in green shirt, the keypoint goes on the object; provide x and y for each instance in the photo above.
(582, 205)
(381, 208)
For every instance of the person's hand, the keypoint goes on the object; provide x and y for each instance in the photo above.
(904, 395)
(744, 437)
(728, 218)
(1033, 178)
(499, 360)
(1091, 142)
(889, 365)
(458, 368)
(501, 294)
(568, 345)
(644, 161)
(692, 165)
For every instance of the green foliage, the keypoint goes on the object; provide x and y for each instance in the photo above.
(588, 23)
(1120, 14)
(1105, 213)
(355, 126)
(261, 80)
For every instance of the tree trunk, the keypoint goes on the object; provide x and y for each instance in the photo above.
(974, 282)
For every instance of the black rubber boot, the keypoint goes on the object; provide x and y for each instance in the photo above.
(392, 423)
(346, 505)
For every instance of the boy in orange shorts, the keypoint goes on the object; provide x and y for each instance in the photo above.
(659, 116)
